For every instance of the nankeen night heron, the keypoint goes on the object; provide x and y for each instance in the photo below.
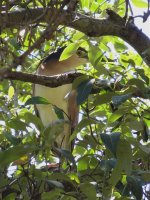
(56, 96)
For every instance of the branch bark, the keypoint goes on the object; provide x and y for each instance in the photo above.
(67, 78)
(50, 81)
(114, 25)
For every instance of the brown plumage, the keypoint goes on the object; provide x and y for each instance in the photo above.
(56, 96)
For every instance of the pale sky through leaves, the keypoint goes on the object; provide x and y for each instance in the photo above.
(139, 21)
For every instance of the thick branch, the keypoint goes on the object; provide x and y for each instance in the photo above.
(51, 81)
(62, 79)
(114, 25)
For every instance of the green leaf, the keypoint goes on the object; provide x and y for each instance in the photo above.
(108, 165)
(145, 175)
(56, 184)
(94, 55)
(135, 185)
(119, 99)
(120, 46)
(30, 118)
(124, 155)
(83, 91)
(83, 123)
(74, 176)
(51, 132)
(14, 43)
(12, 138)
(53, 194)
(124, 162)
(79, 80)
(60, 176)
(68, 155)
(94, 6)
(83, 164)
(89, 190)
(145, 149)
(137, 82)
(11, 196)
(101, 69)
(116, 115)
(11, 92)
(145, 134)
(116, 174)
(68, 196)
(111, 141)
(78, 35)
(14, 153)
(59, 112)
(36, 100)
(85, 4)
(103, 98)
(69, 51)
(17, 124)
(128, 61)
(139, 3)
(143, 76)
(135, 125)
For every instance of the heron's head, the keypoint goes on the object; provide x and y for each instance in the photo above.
(79, 57)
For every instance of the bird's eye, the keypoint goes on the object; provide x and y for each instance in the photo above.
(79, 53)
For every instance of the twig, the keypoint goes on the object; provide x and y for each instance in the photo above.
(127, 9)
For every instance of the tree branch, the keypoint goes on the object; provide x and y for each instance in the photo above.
(114, 25)
(67, 78)
(50, 81)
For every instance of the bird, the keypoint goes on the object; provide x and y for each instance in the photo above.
(51, 66)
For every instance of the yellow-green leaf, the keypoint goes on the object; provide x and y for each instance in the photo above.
(11, 92)
(69, 51)
(139, 3)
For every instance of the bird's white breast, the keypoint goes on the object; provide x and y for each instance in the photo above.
(55, 96)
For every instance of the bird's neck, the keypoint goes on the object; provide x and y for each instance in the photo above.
(57, 67)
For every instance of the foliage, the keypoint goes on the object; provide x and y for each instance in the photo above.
(111, 158)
